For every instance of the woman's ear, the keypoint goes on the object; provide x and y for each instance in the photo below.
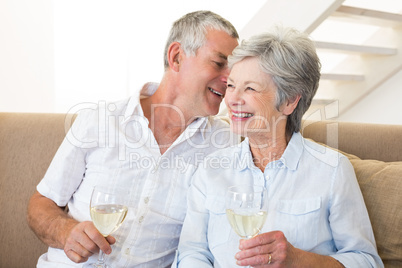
(174, 56)
(291, 105)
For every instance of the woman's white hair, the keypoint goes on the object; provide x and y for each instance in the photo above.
(290, 58)
(191, 29)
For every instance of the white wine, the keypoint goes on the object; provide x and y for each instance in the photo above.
(107, 218)
(248, 224)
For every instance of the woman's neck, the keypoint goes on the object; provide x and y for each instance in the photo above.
(268, 149)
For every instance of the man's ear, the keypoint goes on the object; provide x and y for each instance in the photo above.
(291, 105)
(174, 56)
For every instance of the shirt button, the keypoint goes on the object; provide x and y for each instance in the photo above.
(127, 251)
(141, 219)
(146, 200)
(267, 177)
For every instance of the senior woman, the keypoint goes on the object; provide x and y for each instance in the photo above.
(316, 213)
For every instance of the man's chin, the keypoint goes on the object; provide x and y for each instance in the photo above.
(214, 112)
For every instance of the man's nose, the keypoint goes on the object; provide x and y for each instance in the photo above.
(225, 74)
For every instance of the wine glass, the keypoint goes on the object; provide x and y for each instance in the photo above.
(108, 210)
(246, 209)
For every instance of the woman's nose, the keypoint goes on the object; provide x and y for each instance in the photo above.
(234, 97)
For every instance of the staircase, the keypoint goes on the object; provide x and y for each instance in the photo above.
(351, 67)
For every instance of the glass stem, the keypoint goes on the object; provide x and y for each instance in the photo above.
(101, 260)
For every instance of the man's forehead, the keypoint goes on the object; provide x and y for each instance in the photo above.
(220, 43)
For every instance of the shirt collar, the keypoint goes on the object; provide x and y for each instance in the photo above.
(134, 108)
(293, 152)
(134, 103)
(289, 159)
(203, 124)
(246, 156)
(197, 125)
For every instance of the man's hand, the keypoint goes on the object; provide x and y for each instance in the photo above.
(85, 240)
(56, 229)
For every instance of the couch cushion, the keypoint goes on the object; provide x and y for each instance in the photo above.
(381, 185)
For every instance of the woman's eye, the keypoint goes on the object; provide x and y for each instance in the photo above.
(230, 85)
(250, 88)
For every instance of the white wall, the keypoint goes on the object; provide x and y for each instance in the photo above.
(26, 56)
(91, 52)
(55, 55)
(106, 50)
(382, 106)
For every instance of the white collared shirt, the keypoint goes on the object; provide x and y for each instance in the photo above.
(313, 198)
(112, 145)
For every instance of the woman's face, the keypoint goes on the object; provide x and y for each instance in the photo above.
(251, 99)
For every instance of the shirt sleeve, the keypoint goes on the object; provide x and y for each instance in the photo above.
(67, 168)
(349, 221)
(193, 250)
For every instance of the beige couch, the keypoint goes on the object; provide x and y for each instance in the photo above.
(29, 141)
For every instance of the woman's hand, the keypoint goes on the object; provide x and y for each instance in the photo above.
(272, 250)
(266, 250)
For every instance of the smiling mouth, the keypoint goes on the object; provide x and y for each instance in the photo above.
(216, 93)
(242, 115)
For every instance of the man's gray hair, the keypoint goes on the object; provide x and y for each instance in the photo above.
(191, 29)
(290, 58)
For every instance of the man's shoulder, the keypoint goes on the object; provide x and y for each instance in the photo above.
(103, 109)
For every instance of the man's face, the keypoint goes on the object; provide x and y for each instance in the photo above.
(204, 76)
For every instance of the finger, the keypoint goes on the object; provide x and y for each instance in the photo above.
(256, 261)
(97, 238)
(111, 240)
(262, 239)
(87, 243)
(255, 251)
(75, 257)
(81, 243)
(74, 248)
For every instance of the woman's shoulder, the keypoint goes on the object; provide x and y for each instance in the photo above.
(323, 153)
